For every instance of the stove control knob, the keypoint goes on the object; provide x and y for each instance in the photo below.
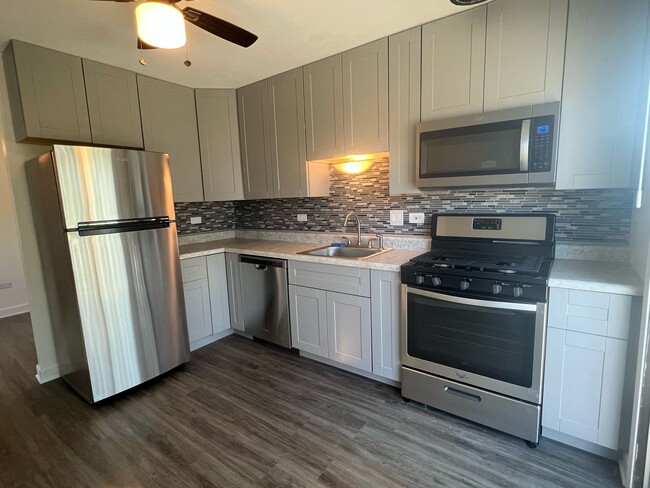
(496, 288)
(419, 279)
(517, 291)
(436, 281)
(464, 285)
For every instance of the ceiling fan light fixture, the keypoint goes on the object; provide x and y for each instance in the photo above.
(467, 2)
(160, 24)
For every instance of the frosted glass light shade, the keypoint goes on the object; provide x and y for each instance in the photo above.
(160, 25)
(354, 167)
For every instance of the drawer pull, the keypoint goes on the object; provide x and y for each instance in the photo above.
(462, 394)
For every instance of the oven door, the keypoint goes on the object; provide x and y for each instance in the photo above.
(497, 346)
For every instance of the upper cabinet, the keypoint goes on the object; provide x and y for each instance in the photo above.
(524, 54)
(273, 146)
(603, 90)
(404, 107)
(346, 103)
(506, 54)
(453, 65)
(253, 106)
(216, 112)
(113, 105)
(323, 91)
(47, 94)
(169, 126)
(365, 98)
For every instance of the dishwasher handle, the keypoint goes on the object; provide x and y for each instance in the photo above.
(262, 263)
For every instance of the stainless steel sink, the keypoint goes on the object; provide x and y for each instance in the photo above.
(347, 252)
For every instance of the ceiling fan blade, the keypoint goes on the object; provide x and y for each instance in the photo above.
(144, 45)
(219, 27)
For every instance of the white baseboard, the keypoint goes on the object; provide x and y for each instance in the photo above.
(581, 444)
(15, 310)
(210, 339)
(48, 374)
(350, 369)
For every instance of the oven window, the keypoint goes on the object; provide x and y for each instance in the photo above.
(491, 342)
(476, 150)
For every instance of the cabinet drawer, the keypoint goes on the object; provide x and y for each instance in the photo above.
(590, 312)
(194, 269)
(330, 277)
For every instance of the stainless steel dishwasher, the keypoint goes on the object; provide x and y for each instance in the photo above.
(265, 298)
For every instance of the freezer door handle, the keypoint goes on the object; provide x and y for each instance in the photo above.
(120, 226)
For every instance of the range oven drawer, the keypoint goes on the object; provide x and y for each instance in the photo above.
(508, 415)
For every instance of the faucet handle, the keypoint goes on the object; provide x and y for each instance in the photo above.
(380, 240)
(347, 240)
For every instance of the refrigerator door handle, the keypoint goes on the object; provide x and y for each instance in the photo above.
(119, 226)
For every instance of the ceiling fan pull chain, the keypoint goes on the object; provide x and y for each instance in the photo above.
(187, 61)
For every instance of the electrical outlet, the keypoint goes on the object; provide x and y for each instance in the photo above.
(416, 218)
(196, 220)
(4, 286)
(302, 217)
(396, 217)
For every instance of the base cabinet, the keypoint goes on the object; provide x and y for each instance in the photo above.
(586, 353)
(385, 303)
(332, 325)
(206, 299)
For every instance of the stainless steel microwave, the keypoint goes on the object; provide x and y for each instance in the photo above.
(515, 147)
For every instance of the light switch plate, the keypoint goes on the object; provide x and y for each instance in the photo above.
(302, 217)
(196, 220)
(396, 217)
(416, 218)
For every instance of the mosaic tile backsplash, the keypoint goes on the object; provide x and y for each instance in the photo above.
(215, 215)
(582, 215)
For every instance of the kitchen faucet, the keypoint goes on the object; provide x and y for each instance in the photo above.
(345, 224)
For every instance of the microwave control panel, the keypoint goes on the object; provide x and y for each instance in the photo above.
(540, 156)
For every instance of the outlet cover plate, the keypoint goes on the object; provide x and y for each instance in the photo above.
(302, 217)
(397, 217)
(196, 220)
(416, 218)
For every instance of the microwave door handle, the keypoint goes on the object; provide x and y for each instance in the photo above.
(524, 146)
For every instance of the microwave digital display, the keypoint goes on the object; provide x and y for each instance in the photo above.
(543, 129)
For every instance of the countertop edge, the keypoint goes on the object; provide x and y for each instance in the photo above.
(598, 276)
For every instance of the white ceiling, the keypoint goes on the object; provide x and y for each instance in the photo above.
(291, 33)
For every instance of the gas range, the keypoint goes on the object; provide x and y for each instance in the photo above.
(474, 266)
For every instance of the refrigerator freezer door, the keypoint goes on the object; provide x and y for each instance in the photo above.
(101, 184)
(129, 294)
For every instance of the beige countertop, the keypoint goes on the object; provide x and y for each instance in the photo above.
(389, 261)
(603, 276)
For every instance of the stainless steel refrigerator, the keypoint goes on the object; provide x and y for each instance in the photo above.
(107, 240)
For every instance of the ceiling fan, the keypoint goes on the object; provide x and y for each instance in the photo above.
(161, 25)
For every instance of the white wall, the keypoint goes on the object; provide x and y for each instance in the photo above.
(12, 300)
(14, 156)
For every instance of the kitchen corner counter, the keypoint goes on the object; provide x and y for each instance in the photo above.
(602, 276)
(389, 261)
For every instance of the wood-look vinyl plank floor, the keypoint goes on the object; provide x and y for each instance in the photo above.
(245, 414)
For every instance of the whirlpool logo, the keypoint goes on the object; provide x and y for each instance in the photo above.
(462, 376)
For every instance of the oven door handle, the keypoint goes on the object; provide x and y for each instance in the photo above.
(524, 307)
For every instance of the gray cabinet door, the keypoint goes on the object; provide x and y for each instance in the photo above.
(218, 283)
(252, 104)
(324, 108)
(603, 87)
(47, 94)
(216, 112)
(235, 303)
(113, 105)
(169, 126)
(287, 132)
(404, 106)
(453, 65)
(308, 309)
(349, 332)
(524, 57)
(385, 303)
(197, 306)
(365, 98)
